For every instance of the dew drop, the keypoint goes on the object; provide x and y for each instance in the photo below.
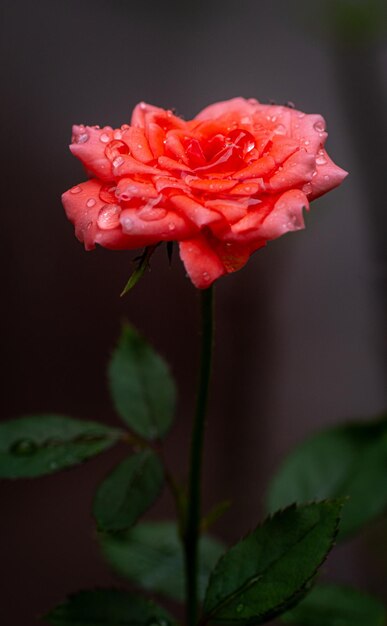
(118, 161)
(326, 177)
(321, 160)
(240, 608)
(306, 142)
(171, 226)
(76, 189)
(127, 223)
(24, 447)
(104, 138)
(280, 129)
(90, 203)
(82, 138)
(151, 214)
(206, 276)
(307, 188)
(319, 126)
(109, 216)
(300, 115)
(117, 135)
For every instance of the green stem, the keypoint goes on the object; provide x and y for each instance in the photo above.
(191, 535)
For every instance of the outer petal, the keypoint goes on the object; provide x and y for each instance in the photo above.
(203, 265)
(328, 176)
(154, 224)
(297, 170)
(89, 144)
(286, 215)
(82, 205)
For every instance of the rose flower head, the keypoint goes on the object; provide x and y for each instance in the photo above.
(221, 185)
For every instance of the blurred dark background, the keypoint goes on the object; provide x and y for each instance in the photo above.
(300, 331)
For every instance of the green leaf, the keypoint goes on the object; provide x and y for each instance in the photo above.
(265, 573)
(108, 607)
(142, 388)
(142, 265)
(151, 556)
(328, 605)
(349, 460)
(43, 444)
(128, 492)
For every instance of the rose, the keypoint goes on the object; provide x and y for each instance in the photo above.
(223, 184)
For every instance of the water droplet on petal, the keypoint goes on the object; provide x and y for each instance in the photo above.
(90, 203)
(307, 188)
(76, 189)
(24, 447)
(82, 138)
(104, 138)
(320, 159)
(206, 276)
(150, 213)
(118, 161)
(109, 216)
(117, 135)
(127, 223)
(326, 177)
(306, 142)
(280, 129)
(319, 126)
(171, 226)
(300, 114)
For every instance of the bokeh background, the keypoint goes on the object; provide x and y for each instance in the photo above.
(301, 340)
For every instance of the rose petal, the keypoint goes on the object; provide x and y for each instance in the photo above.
(128, 188)
(169, 227)
(89, 147)
(286, 215)
(328, 176)
(82, 205)
(202, 264)
(209, 185)
(297, 170)
(138, 144)
(126, 164)
(260, 168)
(194, 211)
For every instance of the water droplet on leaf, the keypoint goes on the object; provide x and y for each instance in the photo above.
(24, 447)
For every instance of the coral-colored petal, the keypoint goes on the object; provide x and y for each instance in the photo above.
(89, 144)
(232, 210)
(195, 212)
(209, 185)
(155, 224)
(125, 165)
(82, 205)
(166, 163)
(128, 188)
(138, 144)
(156, 137)
(297, 170)
(259, 168)
(286, 215)
(328, 176)
(140, 111)
(282, 148)
(202, 264)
